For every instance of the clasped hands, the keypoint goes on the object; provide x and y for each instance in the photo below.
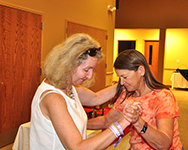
(131, 110)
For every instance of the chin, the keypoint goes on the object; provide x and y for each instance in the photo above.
(79, 82)
(129, 90)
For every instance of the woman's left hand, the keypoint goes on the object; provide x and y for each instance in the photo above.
(132, 112)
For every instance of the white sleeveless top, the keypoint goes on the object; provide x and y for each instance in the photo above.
(42, 133)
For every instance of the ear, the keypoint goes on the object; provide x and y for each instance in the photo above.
(141, 70)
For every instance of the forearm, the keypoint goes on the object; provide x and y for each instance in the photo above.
(154, 137)
(102, 122)
(97, 123)
(106, 94)
(103, 139)
(97, 98)
(99, 141)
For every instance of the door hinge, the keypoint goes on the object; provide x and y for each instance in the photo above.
(40, 71)
(106, 37)
(42, 25)
(67, 30)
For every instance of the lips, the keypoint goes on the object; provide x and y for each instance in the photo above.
(83, 79)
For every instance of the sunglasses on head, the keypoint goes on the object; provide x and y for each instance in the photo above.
(92, 51)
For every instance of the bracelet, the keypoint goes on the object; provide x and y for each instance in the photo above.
(117, 142)
(119, 128)
(117, 134)
(121, 133)
(115, 130)
(144, 128)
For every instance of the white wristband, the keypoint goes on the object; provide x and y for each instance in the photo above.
(119, 128)
(115, 130)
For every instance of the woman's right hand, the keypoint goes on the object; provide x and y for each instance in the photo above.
(132, 111)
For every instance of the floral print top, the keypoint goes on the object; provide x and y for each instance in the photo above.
(157, 104)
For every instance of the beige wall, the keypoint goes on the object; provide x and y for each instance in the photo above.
(175, 48)
(176, 52)
(55, 13)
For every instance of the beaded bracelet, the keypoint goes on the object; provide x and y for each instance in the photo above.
(144, 128)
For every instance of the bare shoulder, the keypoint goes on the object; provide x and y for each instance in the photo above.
(52, 103)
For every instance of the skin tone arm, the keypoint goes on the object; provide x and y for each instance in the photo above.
(102, 122)
(154, 137)
(54, 108)
(90, 98)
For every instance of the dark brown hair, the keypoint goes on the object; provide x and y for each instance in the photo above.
(130, 60)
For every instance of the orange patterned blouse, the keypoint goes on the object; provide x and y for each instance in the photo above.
(155, 105)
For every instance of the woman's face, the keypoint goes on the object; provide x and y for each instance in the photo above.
(85, 70)
(130, 79)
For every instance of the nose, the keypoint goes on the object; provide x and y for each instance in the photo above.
(89, 74)
(122, 81)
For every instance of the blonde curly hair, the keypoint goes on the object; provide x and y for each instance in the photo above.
(64, 58)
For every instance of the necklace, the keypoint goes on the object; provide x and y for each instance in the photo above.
(70, 93)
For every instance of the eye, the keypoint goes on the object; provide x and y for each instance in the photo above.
(124, 77)
(86, 70)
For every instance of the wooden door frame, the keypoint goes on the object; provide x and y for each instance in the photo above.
(22, 8)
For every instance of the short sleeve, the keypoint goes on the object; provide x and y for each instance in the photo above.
(118, 106)
(167, 106)
(121, 102)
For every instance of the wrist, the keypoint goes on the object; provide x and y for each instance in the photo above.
(124, 123)
(144, 128)
(118, 132)
(141, 125)
(139, 122)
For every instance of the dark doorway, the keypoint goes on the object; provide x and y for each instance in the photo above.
(151, 54)
(123, 45)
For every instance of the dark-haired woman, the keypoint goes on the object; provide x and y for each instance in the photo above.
(157, 126)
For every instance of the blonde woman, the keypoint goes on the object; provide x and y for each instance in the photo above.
(58, 120)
